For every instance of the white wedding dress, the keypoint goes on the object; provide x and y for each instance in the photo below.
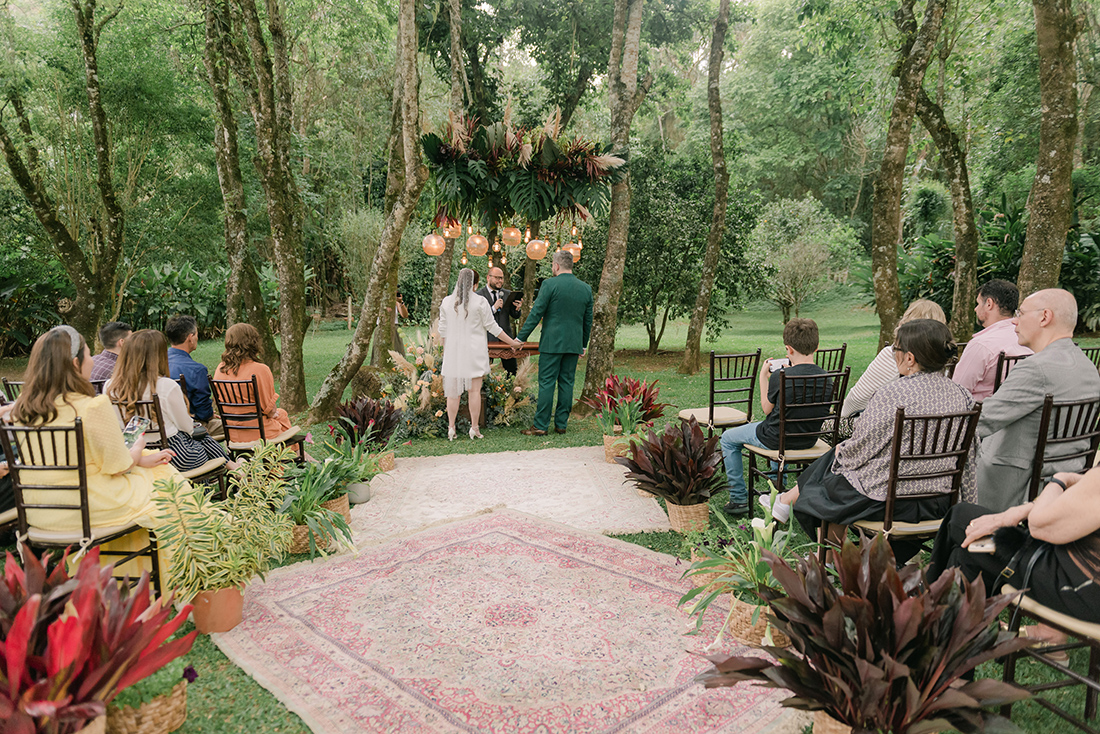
(465, 346)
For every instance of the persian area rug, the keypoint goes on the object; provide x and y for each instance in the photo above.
(573, 486)
(501, 623)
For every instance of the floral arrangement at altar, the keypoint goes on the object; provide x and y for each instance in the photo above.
(416, 388)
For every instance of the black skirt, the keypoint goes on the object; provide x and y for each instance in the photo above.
(829, 497)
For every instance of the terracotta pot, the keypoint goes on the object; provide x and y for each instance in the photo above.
(825, 724)
(686, 518)
(98, 725)
(387, 461)
(161, 715)
(340, 506)
(359, 492)
(612, 447)
(217, 611)
(742, 627)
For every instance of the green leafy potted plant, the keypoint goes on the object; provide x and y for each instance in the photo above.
(155, 705)
(736, 567)
(679, 465)
(362, 463)
(68, 645)
(618, 424)
(885, 652)
(309, 502)
(216, 547)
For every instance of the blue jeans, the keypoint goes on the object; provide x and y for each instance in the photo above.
(733, 439)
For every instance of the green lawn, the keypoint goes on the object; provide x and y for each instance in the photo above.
(224, 699)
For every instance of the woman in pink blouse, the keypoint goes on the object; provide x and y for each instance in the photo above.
(240, 361)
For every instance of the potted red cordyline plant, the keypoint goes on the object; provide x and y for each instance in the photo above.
(68, 645)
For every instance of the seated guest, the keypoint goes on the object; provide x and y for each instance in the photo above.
(112, 335)
(183, 335)
(142, 371)
(240, 361)
(120, 480)
(977, 367)
(883, 368)
(1009, 426)
(800, 338)
(850, 482)
(1064, 518)
(7, 492)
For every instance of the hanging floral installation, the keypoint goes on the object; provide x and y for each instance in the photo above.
(494, 176)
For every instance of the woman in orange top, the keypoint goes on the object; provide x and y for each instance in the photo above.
(240, 362)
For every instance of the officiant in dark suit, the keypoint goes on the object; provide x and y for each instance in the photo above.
(503, 310)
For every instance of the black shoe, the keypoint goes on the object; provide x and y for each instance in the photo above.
(736, 508)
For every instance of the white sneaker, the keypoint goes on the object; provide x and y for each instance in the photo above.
(781, 511)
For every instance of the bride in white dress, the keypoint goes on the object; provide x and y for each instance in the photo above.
(464, 317)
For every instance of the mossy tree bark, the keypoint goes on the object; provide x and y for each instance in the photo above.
(914, 54)
(244, 299)
(625, 95)
(691, 362)
(1051, 202)
(406, 178)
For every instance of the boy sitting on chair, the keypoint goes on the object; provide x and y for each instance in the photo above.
(800, 338)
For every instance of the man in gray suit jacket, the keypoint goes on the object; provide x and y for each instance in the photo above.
(1009, 425)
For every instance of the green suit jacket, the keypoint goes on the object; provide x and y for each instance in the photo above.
(564, 307)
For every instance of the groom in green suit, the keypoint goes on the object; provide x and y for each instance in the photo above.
(564, 305)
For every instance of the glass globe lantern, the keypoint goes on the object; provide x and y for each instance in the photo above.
(536, 249)
(434, 245)
(511, 236)
(477, 245)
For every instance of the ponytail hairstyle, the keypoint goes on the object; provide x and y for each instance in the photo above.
(929, 340)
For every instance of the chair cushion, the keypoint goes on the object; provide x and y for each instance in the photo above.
(8, 517)
(291, 435)
(205, 469)
(1074, 625)
(926, 527)
(73, 537)
(816, 451)
(723, 415)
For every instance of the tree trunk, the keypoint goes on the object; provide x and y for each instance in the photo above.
(530, 277)
(441, 281)
(413, 175)
(460, 85)
(692, 362)
(580, 86)
(383, 336)
(966, 231)
(267, 81)
(914, 55)
(625, 95)
(92, 268)
(1051, 201)
(244, 299)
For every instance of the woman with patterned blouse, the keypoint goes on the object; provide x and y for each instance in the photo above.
(850, 482)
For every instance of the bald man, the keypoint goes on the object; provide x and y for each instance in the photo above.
(1009, 425)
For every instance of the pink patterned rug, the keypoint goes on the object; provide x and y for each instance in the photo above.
(500, 623)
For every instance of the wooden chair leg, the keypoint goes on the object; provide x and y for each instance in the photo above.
(751, 486)
(822, 541)
(1094, 675)
(155, 577)
(1009, 675)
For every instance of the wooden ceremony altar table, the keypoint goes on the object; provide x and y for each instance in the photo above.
(500, 350)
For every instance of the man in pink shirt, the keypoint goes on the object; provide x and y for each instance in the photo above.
(997, 302)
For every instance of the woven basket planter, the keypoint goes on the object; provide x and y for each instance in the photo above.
(825, 724)
(387, 461)
(299, 539)
(614, 446)
(686, 518)
(742, 628)
(98, 725)
(163, 714)
(340, 506)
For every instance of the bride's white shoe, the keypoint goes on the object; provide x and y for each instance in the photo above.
(474, 433)
(452, 434)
